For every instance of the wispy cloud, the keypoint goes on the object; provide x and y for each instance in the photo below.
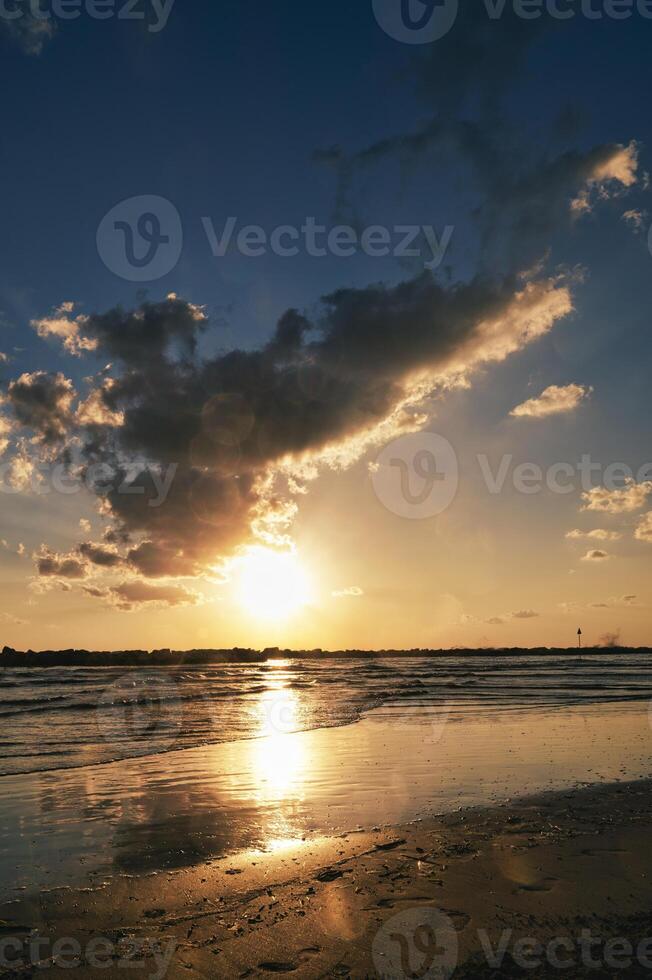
(553, 401)
(29, 32)
(598, 534)
(353, 591)
(609, 177)
(596, 555)
(506, 617)
(635, 219)
(62, 326)
(131, 596)
(614, 602)
(630, 498)
(644, 530)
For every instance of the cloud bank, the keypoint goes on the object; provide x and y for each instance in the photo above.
(630, 498)
(243, 429)
(235, 438)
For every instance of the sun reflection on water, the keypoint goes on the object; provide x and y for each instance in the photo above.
(280, 765)
(279, 755)
(278, 711)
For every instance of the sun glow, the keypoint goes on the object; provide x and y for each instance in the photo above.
(270, 584)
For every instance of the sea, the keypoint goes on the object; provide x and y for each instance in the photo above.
(71, 717)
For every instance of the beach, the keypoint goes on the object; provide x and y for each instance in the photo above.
(479, 823)
(555, 884)
(326, 487)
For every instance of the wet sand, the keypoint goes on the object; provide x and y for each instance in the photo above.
(295, 854)
(572, 867)
(173, 810)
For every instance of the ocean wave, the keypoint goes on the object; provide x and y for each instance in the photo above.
(51, 710)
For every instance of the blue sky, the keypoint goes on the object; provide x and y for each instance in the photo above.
(228, 111)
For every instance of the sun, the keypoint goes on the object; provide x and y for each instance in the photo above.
(271, 585)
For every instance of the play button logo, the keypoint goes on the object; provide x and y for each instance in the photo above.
(416, 21)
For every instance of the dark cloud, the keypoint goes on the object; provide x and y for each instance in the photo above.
(42, 402)
(527, 204)
(95, 591)
(186, 472)
(134, 595)
(222, 423)
(473, 66)
(115, 536)
(150, 333)
(596, 555)
(188, 446)
(523, 197)
(98, 555)
(131, 595)
(156, 560)
(48, 564)
(516, 195)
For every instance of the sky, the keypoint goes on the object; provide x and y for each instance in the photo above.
(326, 325)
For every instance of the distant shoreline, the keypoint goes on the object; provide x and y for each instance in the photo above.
(177, 658)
